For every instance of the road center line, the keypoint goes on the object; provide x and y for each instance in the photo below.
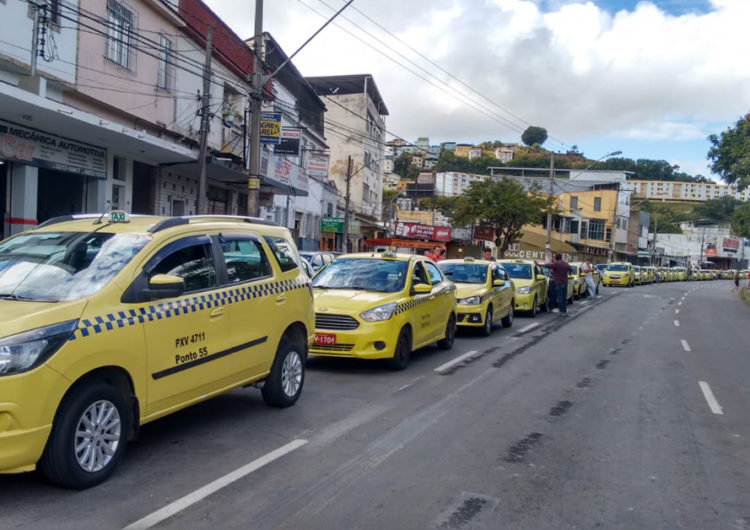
(685, 345)
(677, 323)
(201, 493)
(528, 328)
(458, 360)
(676, 311)
(712, 403)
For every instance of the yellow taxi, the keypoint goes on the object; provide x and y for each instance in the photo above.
(110, 322)
(485, 293)
(680, 274)
(638, 275)
(382, 306)
(619, 273)
(580, 288)
(650, 273)
(531, 285)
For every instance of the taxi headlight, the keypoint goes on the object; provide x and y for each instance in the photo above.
(471, 300)
(380, 313)
(23, 351)
(523, 290)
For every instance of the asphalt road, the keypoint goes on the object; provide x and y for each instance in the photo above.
(631, 412)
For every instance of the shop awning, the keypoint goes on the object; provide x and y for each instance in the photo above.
(216, 169)
(404, 243)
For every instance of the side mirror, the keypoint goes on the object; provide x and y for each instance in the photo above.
(421, 288)
(165, 286)
(498, 283)
(541, 277)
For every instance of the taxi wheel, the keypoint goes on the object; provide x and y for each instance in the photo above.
(403, 351)
(487, 328)
(446, 343)
(88, 437)
(508, 319)
(533, 310)
(283, 385)
(544, 308)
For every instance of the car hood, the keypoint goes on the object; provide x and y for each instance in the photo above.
(521, 282)
(350, 299)
(465, 290)
(22, 315)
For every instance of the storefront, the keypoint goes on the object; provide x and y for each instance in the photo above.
(533, 245)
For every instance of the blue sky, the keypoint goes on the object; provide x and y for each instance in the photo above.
(651, 78)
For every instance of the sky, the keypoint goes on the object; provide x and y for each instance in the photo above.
(649, 78)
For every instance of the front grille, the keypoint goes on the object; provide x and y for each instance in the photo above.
(461, 317)
(340, 322)
(332, 347)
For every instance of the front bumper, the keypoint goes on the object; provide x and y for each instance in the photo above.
(28, 403)
(371, 340)
(622, 280)
(471, 316)
(525, 301)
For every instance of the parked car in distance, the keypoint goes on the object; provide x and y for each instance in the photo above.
(318, 258)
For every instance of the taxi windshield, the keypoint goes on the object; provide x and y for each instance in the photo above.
(60, 266)
(617, 267)
(574, 269)
(380, 275)
(464, 272)
(518, 270)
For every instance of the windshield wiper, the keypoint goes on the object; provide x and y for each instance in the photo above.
(11, 296)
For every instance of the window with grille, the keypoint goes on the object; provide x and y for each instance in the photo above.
(574, 203)
(597, 204)
(165, 57)
(120, 22)
(596, 229)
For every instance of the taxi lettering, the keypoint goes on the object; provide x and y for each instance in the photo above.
(190, 356)
(179, 342)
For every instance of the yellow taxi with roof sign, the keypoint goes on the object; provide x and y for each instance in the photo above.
(382, 306)
(113, 322)
(532, 285)
(485, 293)
(619, 273)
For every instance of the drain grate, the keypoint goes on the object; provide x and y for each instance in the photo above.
(601, 365)
(518, 451)
(583, 383)
(561, 408)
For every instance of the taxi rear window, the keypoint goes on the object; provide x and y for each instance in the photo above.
(57, 266)
(385, 276)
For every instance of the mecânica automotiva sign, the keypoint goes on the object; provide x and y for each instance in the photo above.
(40, 149)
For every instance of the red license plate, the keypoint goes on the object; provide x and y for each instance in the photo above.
(325, 339)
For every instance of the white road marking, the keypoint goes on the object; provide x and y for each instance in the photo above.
(201, 493)
(712, 403)
(528, 328)
(407, 385)
(685, 345)
(458, 360)
(677, 323)
(676, 311)
(679, 303)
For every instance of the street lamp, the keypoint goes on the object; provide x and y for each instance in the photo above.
(548, 246)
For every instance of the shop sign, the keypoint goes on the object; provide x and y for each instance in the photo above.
(332, 224)
(419, 231)
(484, 233)
(731, 244)
(36, 148)
(289, 143)
(710, 252)
(270, 127)
(462, 234)
(317, 166)
(538, 255)
(290, 174)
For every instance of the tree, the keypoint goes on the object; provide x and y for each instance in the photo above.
(741, 220)
(534, 135)
(401, 164)
(730, 153)
(718, 209)
(503, 205)
(443, 204)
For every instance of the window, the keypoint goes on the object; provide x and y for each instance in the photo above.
(574, 203)
(193, 264)
(434, 272)
(245, 260)
(596, 229)
(597, 204)
(120, 21)
(165, 57)
(418, 275)
(285, 254)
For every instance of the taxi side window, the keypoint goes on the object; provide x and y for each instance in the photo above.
(418, 275)
(285, 255)
(434, 272)
(245, 260)
(498, 273)
(193, 264)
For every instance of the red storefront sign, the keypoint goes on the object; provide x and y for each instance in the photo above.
(485, 233)
(418, 231)
(730, 244)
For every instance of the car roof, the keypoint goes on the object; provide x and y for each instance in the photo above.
(465, 262)
(391, 256)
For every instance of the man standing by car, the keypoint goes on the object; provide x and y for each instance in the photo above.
(488, 254)
(588, 275)
(560, 270)
(436, 254)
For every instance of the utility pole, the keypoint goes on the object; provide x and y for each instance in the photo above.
(346, 205)
(548, 245)
(205, 117)
(35, 38)
(256, 96)
(613, 232)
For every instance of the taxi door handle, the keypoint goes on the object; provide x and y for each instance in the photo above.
(281, 298)
(216, 312)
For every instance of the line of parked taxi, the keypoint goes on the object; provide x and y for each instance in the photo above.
(625, 274)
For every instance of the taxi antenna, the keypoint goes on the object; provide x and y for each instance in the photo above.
(99, 220)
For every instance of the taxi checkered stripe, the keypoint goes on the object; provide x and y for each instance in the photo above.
(411, 304)
(160, 311)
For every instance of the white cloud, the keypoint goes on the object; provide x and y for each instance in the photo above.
(578, 71)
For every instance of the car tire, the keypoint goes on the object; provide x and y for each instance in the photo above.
(508, 319)
(446, 343)
(533, 310)
(283, 385)
(597, 289)
(401, 353)
(96, 404)
(544, 308)
(487, 328)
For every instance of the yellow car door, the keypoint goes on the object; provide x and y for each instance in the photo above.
(420, 310)
(185, 335)
(441, 302)
(502, 296)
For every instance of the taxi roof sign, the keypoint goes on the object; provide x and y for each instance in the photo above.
(119, 216)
